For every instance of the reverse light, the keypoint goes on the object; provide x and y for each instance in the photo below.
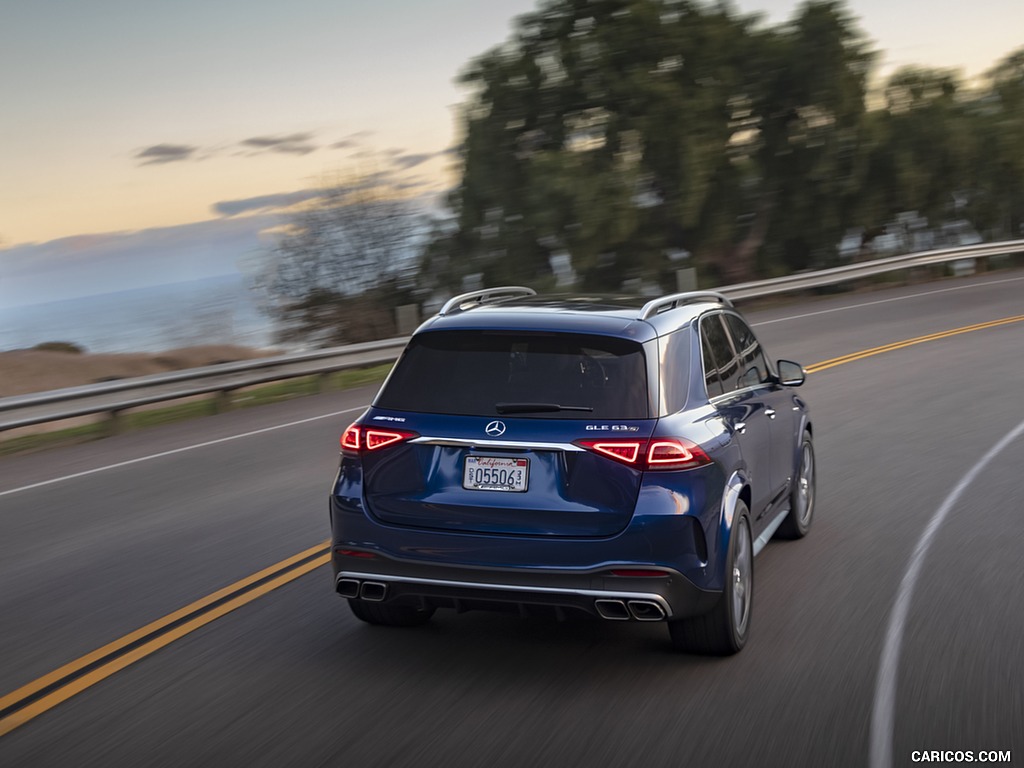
(359, 438)
(662, 453)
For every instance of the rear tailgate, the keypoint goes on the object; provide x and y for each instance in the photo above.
(497, 416)
(531, 480)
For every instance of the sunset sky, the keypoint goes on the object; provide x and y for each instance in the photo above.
(151, 142)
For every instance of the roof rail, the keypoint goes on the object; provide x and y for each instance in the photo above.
(486, 296)
(657, 306)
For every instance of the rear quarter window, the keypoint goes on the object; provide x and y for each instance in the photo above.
(470, 372)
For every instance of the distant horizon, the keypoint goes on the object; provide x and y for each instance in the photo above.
(221, 310)
(236, 277)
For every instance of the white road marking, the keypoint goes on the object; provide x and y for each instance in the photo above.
(886, 301)
(883, 710)
(160, 455)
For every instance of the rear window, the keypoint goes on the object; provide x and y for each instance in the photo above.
(471, 372)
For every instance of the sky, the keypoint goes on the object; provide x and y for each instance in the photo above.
(144, 143)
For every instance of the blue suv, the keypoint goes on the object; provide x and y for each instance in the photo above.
(614, 455)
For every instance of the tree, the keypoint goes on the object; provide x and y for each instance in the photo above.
(622, 134)
(1000, 109)
(342, 261)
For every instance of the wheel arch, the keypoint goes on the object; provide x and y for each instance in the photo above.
(737, 489)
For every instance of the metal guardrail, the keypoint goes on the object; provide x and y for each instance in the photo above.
(116, 396)
(836, 275)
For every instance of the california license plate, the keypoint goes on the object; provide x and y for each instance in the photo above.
(493, 473)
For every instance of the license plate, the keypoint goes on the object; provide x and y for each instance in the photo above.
(492, 473)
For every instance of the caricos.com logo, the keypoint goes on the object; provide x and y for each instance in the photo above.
(960, 756)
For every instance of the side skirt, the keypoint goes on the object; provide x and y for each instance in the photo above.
(768, 532)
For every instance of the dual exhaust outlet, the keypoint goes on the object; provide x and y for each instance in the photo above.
(624, 610)
(374, 591)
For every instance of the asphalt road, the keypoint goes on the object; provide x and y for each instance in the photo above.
(91, 554)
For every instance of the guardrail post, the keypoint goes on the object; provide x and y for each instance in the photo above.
(115, 422)
(222, 401)
(323, 382)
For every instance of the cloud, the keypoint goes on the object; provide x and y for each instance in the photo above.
(254, 146)
(352, 141)
(405, 162)
(165, 153)
(293, 144)
(265, 202)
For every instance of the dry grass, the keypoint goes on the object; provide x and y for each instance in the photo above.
(29, 370)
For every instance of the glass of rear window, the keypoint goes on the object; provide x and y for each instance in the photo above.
(472, 373)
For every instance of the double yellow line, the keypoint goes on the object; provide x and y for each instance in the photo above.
(31, 700)
(825, 365)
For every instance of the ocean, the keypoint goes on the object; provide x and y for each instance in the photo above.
(217, 310)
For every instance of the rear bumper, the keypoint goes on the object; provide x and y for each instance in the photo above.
(595, 591)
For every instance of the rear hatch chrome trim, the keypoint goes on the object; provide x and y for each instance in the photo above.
(517, 445)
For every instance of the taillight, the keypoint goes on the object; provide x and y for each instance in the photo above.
(358, 438)
(662, 453)
(350, 438)
(674, 453)
(626, 451)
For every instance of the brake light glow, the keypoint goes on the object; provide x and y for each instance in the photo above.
(663, 453)
(361, 438)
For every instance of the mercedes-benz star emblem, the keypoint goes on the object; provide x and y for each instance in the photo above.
(495, 428)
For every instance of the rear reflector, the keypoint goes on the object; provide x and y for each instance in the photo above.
(356, 553)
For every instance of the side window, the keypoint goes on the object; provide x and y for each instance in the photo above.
(675, 370)
(753, 365)
(711, 379)
(726, 360)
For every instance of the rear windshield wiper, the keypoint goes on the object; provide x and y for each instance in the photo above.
(539, 408)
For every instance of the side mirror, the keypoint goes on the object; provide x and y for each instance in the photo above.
(791, 374)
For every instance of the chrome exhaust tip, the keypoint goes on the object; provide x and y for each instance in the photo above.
(348, 587)
(646, 610)
(613, 610)
(373, 591)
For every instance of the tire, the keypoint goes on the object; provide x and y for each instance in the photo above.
(801, 497)
(723, 631)
(386, 615)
